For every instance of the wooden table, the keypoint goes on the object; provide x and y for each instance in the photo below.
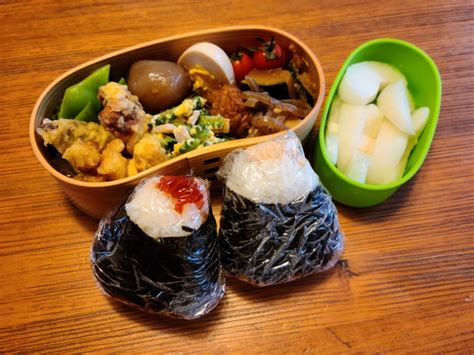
(409, 284)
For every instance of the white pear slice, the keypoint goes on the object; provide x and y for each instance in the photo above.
(387, 73)
(350, 131)
(362, 81)
(420, 118)
(388, 151)
(358, 167)
(394, 102)
(332, 130)
(374, 118)
(360, 84)
(411, 101)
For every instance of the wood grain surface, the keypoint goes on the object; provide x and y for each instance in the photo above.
(407, 283)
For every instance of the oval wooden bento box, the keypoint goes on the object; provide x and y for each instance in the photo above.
(96, 199)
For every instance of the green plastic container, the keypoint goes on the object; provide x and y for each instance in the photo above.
(424, 83)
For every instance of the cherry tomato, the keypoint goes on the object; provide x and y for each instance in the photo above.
(269, 55)
(242, 65)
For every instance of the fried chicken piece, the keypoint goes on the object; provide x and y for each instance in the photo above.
(123, 115)
(91, 150)
(83, 156)
(63, 133)
(113, 165)
(80, 143)
(148, 152)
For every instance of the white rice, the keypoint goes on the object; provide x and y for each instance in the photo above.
(275, 171)
(154, 211)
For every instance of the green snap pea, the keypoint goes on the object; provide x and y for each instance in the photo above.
(78, 96)
(88, 114)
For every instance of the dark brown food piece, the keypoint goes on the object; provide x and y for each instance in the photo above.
(158, 84)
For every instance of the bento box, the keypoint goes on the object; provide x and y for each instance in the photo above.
(96, 198)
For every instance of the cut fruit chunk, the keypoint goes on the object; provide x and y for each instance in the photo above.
(362, 81)
(389, 148)
(374, 118)
(411, 101)
(359, 166)
(350, 131)
(332, 130)
(394, 102)
(420, 118)
(373, 121)
(387, 73)
(360, 85)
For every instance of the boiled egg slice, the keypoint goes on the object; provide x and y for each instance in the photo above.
(210, 57)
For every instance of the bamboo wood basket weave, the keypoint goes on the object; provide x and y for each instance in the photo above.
(97, 198)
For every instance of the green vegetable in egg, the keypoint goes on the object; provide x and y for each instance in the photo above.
(201, 133)
(189, 144)
(168, 142)
(216, 122)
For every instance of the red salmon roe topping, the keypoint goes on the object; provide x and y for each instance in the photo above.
(184, 190)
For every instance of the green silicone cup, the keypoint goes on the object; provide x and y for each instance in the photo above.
(424, 83)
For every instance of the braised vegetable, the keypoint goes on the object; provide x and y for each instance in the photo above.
(278, 83)
(262, 99)
(158, 84)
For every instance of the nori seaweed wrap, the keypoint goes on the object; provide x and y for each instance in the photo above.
(158, 251)
(278, 222)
